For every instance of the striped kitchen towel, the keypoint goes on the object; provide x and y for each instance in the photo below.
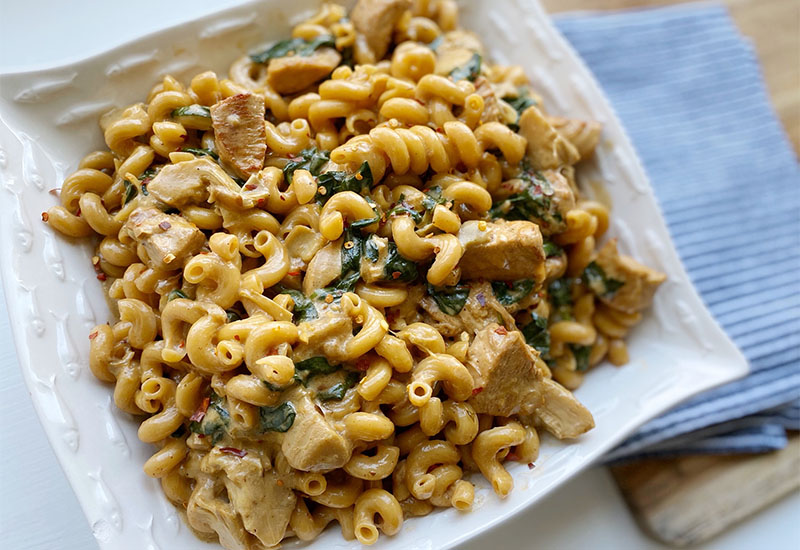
(689, 90)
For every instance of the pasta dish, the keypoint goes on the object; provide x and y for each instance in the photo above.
(347, 276)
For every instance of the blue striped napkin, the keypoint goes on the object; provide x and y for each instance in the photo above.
(688, 88)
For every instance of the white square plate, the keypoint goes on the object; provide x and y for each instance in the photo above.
(48, 121)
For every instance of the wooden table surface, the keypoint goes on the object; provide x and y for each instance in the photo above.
(774, 27)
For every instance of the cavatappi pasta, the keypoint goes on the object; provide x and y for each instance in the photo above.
(350, 273)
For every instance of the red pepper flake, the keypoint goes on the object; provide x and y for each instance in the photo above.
(93, 335)
(56, 191)
(510, 285)
(530, 465)
(329, 298)
(182, 344)
(396, 274)
(78, 213)
(259, 202)
(165, 225)
(439, 130)
(251, 186)
(233, 451)
(236, 337)
(512, 456)
(282, 198)
(279, 483)
(362, 363)
(45, 216)
(501, 330)
(295, 273)
(200, 413)
(359, 177)
(476, 391)
(101, 277)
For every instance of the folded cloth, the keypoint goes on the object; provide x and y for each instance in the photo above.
(688, 88)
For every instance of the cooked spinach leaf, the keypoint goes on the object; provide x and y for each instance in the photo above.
(337, 391)
(148, 175)
(130, 192)
(277, 419)
(508, 293)
(600, 283)
(552, 249)
(536, 334)
(192, 110)
(532, 203)
(201, 152)
(520, 103)
(581, 354)
(450, 299)
(398, 268)
(215, 421)
(560, 294)
(304, 309)
(310, 159)
(335, 182)
(232, 315)
(433, 197)
(294, 46)
(308, 368)
(402, 208)
(176, 293)
(469, 70)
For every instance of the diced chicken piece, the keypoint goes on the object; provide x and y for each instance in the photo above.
(583, 134)
(504, 369)
(480, 309)
(168, 239)
(177, 185)
(455, 50)
(560, 412)
(639, 282)
(295, 73)
(374, 21)
(503, 251)
(546, 147)
(264, 502)
(200, 180)
(311, 444)
(559, 200)
(491, 106)
(240, 134)
(207, 512)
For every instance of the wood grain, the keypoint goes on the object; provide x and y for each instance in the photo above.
(774, 27)
(688, 500)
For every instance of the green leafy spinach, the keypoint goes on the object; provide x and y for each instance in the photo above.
(337, 391)
(600, 283)
(215, 421)
(277, 419)
(508, 293)
(308, 368)
(294, 46)
(536, 334)
(581, 354)
(469, 70)
(335, 182)
(450, 299)
(310, 159)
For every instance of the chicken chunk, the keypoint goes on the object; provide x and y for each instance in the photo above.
(168, 239)
(456, 50)
(583, 134)
(502, 251)
(504, 366)
(264, 502)
(560, 412)
(295, 73)
(177, 185)
(480, 309)
(208, 513)
(311, 444)
(374, 21)
(491, 105)
(324, 267)
(622, 282)
(546, 147)
(239, 132)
